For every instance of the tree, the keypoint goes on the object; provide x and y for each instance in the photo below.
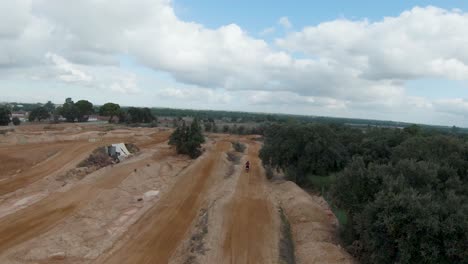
(16, 121)
(5, 114)
(50, 107)
(302, 150)
(56, 114)
(69, 110)
(110, 110)
(38, 114)
(225, 129)
(140, 115)
(188, 139)
(208, 126)
(84, 108)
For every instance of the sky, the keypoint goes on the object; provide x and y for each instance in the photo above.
(391, 60)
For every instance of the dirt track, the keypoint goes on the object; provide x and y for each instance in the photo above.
(250, 234)
(104, 218)
(156, 235)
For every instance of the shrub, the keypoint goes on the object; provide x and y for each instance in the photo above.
(188, 139)
(239, 147)
(16, 121)
(4, 116)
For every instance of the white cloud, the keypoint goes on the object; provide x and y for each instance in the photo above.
(284, 22)
(348, 65)
(66, 71)
(267, 31)
(457, 106)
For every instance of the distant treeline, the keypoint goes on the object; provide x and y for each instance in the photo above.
(404, 192)
(243, 117)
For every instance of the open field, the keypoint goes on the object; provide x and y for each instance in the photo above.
(154, 207)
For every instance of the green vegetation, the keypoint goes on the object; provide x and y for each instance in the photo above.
(138, 115)
(188, 139)
(239, 147)
(5, 114)
(39, 113)
(300, 150)
(69, 111)
(110, 110)
(16, 121)
(401, 195)
(84, 108)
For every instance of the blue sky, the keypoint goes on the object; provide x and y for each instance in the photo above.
(255, 16)
(392, 60)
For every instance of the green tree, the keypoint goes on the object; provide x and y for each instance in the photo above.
(16, 121)
(5, 114)
(38, 114)
(188, 139)
(56, 114)
(302, 150)
(69, 110)
(50, 107)
(110, 110)
(84, 108)
(140, 115)
(208, 126)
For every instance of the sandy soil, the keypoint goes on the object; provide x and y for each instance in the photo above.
(155, 207)
(313, 226)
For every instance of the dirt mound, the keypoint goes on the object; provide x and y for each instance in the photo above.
(98, 158)
(312, 226)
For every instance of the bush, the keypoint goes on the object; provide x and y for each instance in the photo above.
(4, 116)
(239, 147)
(16, 121)
(233, 157)
(39, 113)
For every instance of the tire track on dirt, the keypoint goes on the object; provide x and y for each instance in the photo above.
(156, 235)
(42, 216)
(250, 233)
(66, 158)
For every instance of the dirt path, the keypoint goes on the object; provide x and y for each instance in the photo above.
(43, 215)
(251, 235)
(68, 157)
(156, 235)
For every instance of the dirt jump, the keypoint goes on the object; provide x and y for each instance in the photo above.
(154, 207)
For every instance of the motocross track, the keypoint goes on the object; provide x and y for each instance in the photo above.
(249, 237)
(106, 216)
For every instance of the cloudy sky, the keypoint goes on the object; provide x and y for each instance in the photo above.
(404, 60)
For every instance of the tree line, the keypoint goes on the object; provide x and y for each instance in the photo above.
(79, 111)
(404, 191)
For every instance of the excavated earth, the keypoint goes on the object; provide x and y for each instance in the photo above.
(154, 207)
